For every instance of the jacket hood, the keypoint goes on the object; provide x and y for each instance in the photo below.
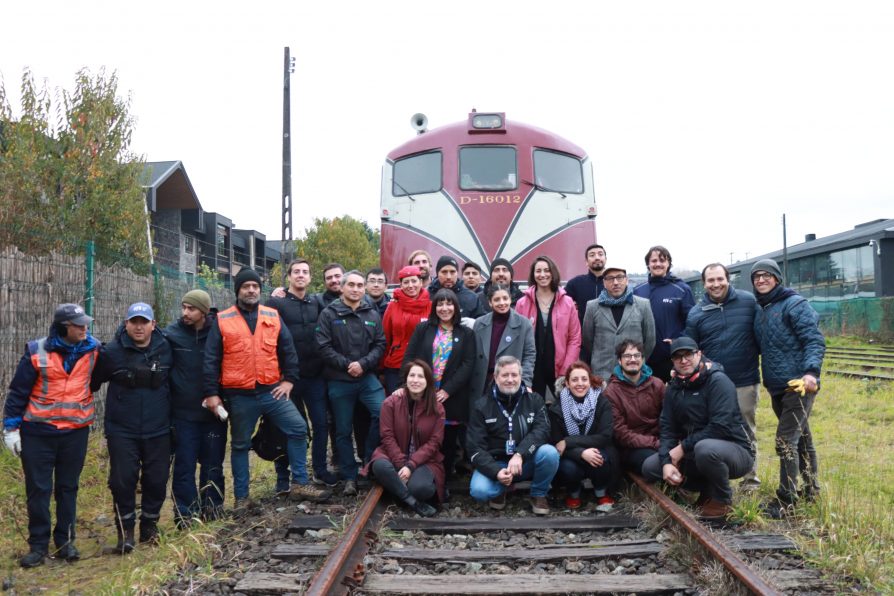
(618, 376)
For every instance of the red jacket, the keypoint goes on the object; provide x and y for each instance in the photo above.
(428, 434)
(401, 317)
(636, 409)
(566, 326)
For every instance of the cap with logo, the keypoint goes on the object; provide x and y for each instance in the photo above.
(140, 309)
(71, 313)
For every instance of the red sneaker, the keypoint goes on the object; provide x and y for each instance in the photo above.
(605, 504)
(572, 502)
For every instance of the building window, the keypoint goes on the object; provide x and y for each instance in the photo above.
(189, 245)
(223, 243)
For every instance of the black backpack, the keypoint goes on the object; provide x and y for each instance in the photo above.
(269, 442)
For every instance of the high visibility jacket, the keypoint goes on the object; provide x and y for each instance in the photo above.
(58, 398)
(249, 360)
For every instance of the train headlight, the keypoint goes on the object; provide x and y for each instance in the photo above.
(487, 121)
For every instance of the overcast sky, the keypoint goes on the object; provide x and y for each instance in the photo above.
(705, 121)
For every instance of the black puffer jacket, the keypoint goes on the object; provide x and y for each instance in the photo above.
(344, 336)
(300, 316)
(704, 408)
(188, 349)
(138, 402)
(489, 430)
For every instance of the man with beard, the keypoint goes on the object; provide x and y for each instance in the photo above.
(671, 299)
(703, 440)
(472, 277)
(587, 286)
(201, 434)
(421, 259)
(448, 277)
(792, 349)
(501, 272)
(256, 381)
(508, 440)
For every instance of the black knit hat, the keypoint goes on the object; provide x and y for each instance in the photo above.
(243, 276)
(768, 265)
(446, 261)
(503, 262)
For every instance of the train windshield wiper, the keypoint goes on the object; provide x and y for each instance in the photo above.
(406, 192)
(544, 189)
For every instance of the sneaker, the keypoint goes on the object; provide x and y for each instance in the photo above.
(68, 552)
(309, 492)
(605, 504)
(325, 478)
(715, 510)
(282, 489)
(32, 559)
(498, 503)
(420, 507)
(350, 489)
(777, 509)
(539, 505)
(572, 501)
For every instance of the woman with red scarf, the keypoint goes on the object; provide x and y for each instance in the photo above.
(409, 306)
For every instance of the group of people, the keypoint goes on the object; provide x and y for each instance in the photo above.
(553, 385)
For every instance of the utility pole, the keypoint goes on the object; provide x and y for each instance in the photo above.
(287, 244)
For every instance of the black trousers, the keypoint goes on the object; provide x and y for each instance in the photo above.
(46, 459)
(147, 461)
(421, 484)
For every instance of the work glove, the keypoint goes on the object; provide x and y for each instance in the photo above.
(13, 441)
(468, 322)
(797, 386)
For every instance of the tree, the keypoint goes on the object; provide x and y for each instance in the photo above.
(344, 240)
(67, 174)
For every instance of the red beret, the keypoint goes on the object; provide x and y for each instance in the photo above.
(409, 271)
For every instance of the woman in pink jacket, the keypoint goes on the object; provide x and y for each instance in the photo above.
(553, 315)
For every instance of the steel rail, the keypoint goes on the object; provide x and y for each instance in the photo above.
(727, 557)
(342, 566)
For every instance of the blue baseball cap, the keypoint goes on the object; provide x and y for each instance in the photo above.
(140, 309)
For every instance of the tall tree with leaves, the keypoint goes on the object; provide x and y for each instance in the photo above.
(344, 240)
(67, 174)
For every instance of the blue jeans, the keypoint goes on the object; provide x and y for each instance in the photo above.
(539, 471)
(202, 443)
(343, 395)
(245, 410)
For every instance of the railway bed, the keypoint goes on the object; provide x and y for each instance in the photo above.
(470, 549)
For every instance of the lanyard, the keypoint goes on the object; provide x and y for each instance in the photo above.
(505, 413)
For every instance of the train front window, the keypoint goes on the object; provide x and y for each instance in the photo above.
(487, 168)
(558, 172)
(417, 174)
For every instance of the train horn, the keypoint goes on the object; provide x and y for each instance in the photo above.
(419, 122)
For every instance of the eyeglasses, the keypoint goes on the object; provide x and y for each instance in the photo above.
(680, 356)
(375, 282)
(762, 276)
(631, 356)
(612, 279)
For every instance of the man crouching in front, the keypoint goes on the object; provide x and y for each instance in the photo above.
(507, 439)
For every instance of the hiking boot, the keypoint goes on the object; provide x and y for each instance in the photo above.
(243, 506)
(32, 559)
(148, 532)
(350, 489)
(605, 504)
(309, 492)
(715, 509)
(702, 500)
(777, 509)
(539, 505)
(68, 552)
(420, 507)
(126, 541)
(325, 478)
(498, 503)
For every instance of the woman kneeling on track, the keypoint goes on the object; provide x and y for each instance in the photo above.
(408, 462)
(581, 423)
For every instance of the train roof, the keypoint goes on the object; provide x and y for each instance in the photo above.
(462, 133)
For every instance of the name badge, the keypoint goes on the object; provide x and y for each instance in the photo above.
(510, 447)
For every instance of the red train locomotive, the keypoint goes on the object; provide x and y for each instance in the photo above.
(487, 188)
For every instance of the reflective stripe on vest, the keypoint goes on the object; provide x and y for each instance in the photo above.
(249, 359)
(58, 398)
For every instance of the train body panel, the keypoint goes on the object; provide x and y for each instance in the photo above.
(511, 192)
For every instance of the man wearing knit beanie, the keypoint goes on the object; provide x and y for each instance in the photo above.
(201, 435)
(792, 349)
(447, 277)
(501, 272)
(243, 276)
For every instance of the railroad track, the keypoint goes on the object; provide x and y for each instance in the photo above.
(514, 552)
(862, 363)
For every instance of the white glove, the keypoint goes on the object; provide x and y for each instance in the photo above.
(468, 322)
(13, 441)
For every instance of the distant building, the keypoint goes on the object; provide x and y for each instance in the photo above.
(858, 263)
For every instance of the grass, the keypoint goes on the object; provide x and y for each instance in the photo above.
(849, 531)
(144, 571)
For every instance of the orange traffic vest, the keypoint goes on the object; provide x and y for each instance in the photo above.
(249, 360)
(61, 399)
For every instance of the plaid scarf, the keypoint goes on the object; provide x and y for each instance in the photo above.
(578, 413)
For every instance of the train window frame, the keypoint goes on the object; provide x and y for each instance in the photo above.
(510, 184)
(576, 159)
(398, 190)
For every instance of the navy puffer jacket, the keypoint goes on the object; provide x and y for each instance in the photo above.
(790, 341)
(725, 333)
